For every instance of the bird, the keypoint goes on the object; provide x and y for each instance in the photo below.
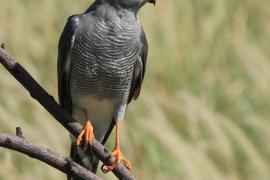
(102, 55)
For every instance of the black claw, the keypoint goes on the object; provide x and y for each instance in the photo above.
(2, 45)
(104, 169)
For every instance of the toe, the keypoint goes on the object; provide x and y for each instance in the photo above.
(79, 139)
(86, 141)
(112, 167)
(91, 137)
(115, 154)
(127, 164)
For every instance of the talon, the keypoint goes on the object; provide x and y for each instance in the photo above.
(119, 158)
(87, 133)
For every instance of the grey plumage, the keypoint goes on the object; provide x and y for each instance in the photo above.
(101, 64)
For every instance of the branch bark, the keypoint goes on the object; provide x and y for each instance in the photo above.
(66, 165)
(48, 102)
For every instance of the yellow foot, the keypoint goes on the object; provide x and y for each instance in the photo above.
(88, 134)
(119, 158)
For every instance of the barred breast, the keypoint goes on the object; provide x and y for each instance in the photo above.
(103, 57)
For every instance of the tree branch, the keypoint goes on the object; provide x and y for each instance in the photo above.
(48, 102)
(66, 165)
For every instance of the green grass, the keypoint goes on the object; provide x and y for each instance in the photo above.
(204, 109)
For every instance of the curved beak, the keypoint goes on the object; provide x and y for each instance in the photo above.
(152, 1)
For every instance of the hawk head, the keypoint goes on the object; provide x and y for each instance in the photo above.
(133, 3)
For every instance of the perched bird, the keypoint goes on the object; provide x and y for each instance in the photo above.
(101, 64)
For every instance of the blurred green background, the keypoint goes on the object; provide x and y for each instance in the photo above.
(205, 106)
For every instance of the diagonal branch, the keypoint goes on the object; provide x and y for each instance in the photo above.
(66, 165)
(48, 102)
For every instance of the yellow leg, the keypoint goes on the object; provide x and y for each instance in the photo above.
(117, 153)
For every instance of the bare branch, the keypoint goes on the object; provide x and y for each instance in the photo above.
(66, 165)
(48, 102)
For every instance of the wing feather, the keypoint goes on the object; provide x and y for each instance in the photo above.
(139, 70)
(64, 61)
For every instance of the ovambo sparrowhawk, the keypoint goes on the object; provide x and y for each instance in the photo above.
(101, 64)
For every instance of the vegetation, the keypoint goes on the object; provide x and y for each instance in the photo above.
(205, 106)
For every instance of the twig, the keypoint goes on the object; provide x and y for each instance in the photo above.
(19, 132)
(66, 165)
(48, 102)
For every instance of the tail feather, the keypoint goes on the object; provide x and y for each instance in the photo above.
(87, 159)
